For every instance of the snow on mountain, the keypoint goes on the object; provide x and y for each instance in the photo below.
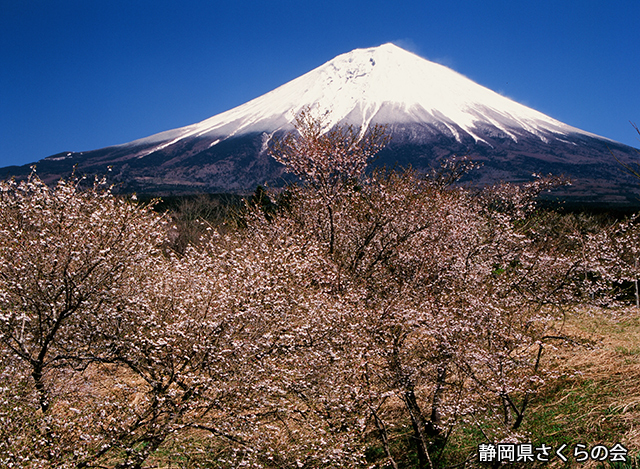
(432, 113)
(384, 84)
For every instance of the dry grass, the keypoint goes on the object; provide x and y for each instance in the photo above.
(595, 398)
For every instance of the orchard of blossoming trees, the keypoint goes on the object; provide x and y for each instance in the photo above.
(359, 322)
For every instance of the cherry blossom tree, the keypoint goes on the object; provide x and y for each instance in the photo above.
(364, 306)
(615, 259)
(66, 256)
(330, 159)
(451, 291)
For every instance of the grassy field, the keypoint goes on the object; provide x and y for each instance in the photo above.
(596, 396)
(592, 396)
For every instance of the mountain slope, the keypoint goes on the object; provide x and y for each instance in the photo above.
(432, 112)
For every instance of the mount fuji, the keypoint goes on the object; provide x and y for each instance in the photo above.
(431, 112)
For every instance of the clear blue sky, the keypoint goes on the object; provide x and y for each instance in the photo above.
(79, 75)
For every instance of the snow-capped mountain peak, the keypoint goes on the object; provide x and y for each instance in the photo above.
(384, 84)
(431, 112)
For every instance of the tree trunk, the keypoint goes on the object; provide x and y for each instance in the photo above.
(37, 376)
(434, 425)
(384, 438)
(419, 429)
(331, 229)
(636, 284)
